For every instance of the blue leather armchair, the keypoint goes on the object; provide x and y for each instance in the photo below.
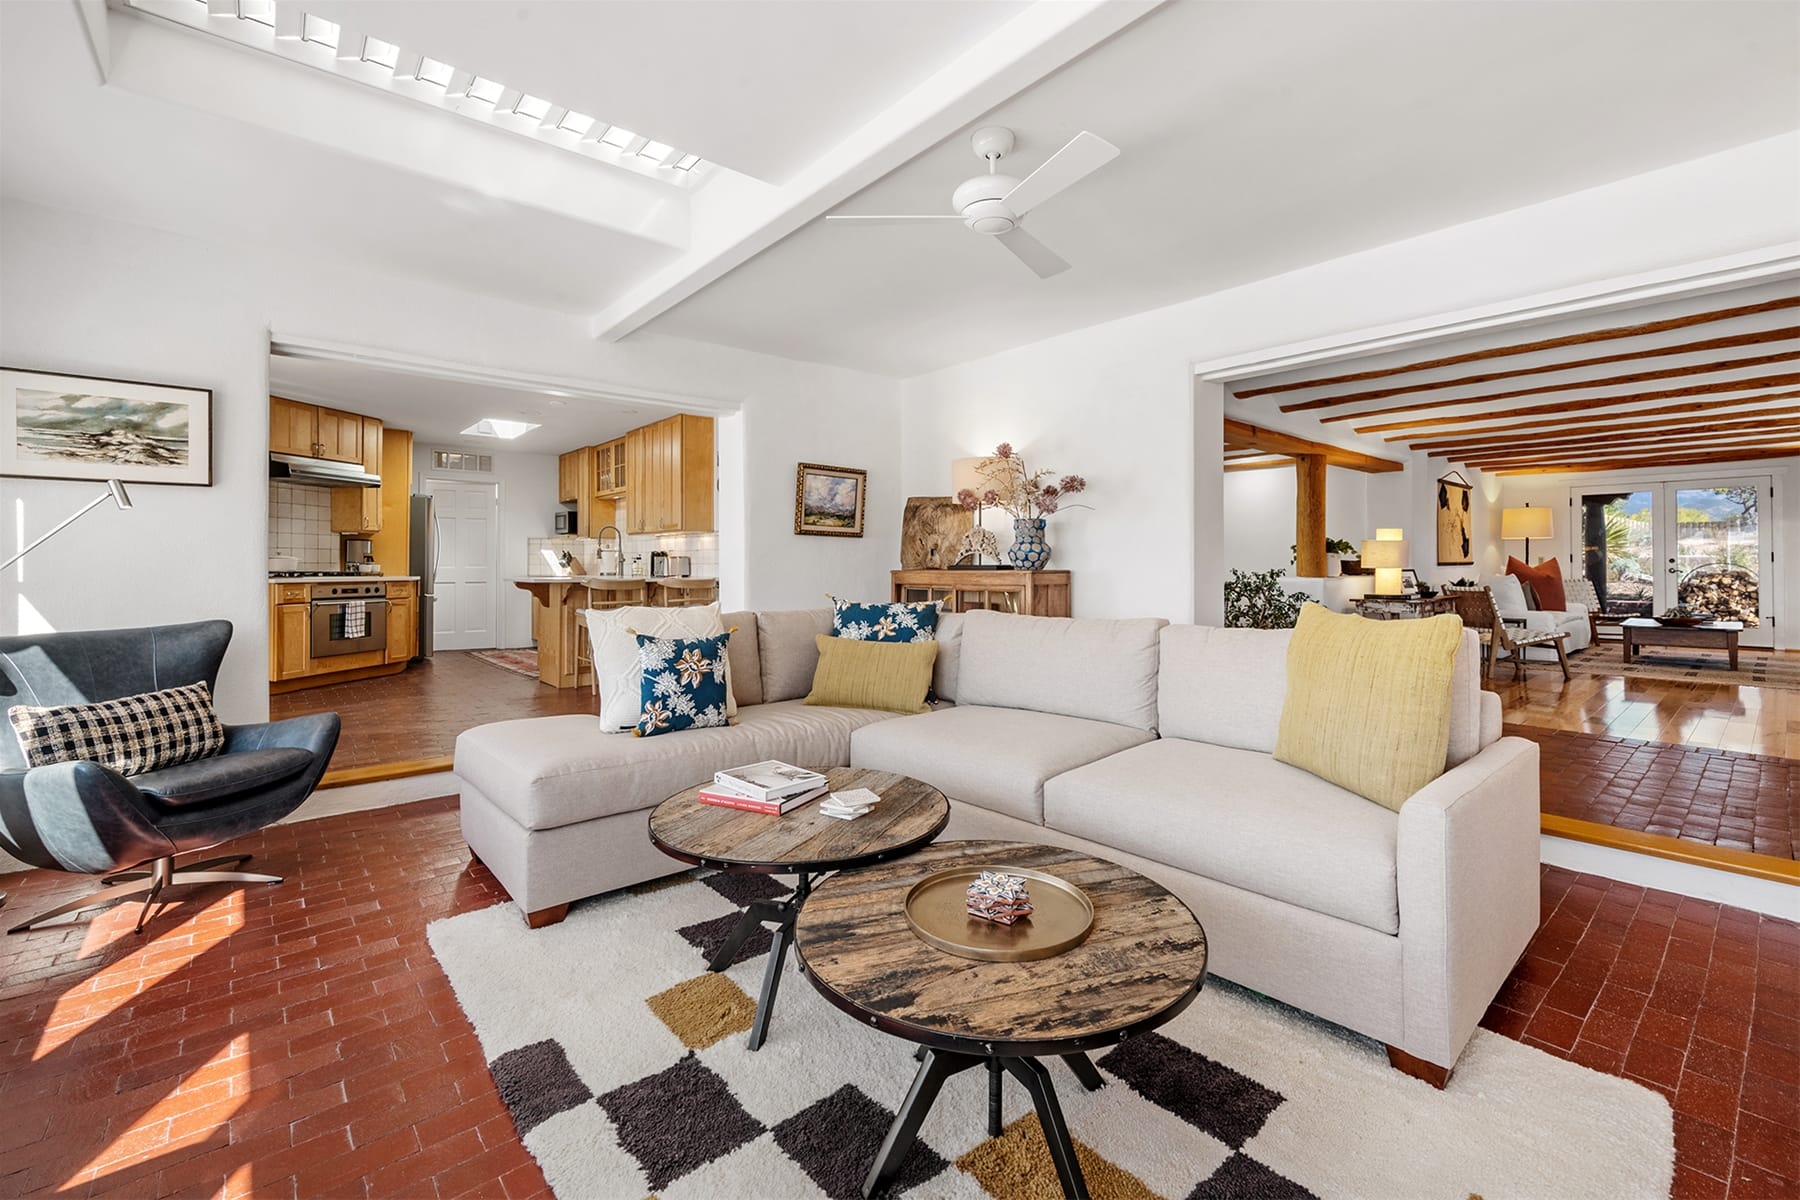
(83, 817)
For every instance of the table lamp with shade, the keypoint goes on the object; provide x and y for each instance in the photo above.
(1524, 524)
(1388, 557)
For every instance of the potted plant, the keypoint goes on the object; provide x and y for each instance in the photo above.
(1254, 600)
(1340, 556)
(1028, 497)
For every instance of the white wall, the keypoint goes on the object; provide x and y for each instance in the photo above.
(90, 296)
(1259, 508)
(1117, 402)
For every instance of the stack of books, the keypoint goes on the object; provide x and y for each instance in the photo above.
(770, 787)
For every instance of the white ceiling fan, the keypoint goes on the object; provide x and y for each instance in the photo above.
(994, 204)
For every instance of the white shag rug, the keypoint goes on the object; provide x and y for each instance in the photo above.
(623, 1063)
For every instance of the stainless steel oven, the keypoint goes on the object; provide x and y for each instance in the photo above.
(348, 618)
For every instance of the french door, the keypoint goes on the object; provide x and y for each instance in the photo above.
(468, 563)
(1704, 543)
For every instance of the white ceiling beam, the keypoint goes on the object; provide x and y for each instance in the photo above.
(732, 225)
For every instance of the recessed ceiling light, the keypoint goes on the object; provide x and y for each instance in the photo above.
(382, 54)
(260, 11)
(656, 151)
(532, 107)
(434, 72)
(617, 137)
(318, 29)
(687, 162)
(485, 90)
(495, 428)
(575, 123)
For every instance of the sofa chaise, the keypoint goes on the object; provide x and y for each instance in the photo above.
(1143, 742)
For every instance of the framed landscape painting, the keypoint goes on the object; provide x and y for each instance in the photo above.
(70, 427)
(1455, 543)
(828, 501)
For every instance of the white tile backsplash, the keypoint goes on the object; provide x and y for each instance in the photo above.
(703, 548)
(300, 525)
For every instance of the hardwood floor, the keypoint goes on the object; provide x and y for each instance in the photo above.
(300, 1040)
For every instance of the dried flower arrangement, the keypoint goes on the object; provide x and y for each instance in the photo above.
(1023, 494)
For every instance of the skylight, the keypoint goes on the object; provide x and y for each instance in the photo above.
(495, 428)
(285, 29)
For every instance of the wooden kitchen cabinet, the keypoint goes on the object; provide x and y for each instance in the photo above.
(340, 436)
(358, 509)
(609, 469)
(402, 621)
(669, 476)
(293, 428)
(569, 476)
(290, 640)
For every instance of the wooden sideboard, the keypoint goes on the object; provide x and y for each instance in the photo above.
(1033, 593)
(1402, 608)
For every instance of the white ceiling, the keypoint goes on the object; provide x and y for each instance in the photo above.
(438, 410)
(1258, 138)
(763, 88)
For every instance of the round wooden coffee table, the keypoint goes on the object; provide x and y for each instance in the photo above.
(803, 843)
(1142, 964)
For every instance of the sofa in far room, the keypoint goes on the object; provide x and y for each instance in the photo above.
(1514, 603)
(1141, 742)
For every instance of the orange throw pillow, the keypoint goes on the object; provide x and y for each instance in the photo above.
(1544, 580)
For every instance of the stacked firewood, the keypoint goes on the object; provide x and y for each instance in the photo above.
(1729, 595)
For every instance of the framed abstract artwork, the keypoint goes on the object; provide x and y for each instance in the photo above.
(1455, 542)
(55, 426)
(828, 501)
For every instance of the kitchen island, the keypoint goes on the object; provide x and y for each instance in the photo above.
(560, 633)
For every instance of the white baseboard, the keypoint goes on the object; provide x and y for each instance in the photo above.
(1685, 879)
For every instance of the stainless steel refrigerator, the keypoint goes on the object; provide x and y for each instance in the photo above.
(422, 560)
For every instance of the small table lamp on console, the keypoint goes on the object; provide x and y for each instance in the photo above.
(1386, 553)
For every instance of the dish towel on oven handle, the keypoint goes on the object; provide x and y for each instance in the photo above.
(356, 620)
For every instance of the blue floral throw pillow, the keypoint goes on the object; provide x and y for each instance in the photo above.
(885, 622)
(685, 685)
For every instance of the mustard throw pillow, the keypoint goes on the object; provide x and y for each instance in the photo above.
(1368, 702)
(892, 676)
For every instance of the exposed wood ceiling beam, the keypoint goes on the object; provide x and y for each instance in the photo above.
(1263, 465)
(1762, 423)
(1678, 460)
(1626, 380)
(1526, 434)
(1274, 441)
(1687, 408)
(1577, 453)
(1593, 402)
(1756, 338)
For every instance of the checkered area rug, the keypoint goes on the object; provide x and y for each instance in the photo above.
(623, 1063)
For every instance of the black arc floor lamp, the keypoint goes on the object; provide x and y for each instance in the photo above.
(115, 491)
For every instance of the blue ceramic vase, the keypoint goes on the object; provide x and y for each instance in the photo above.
(1029, 551)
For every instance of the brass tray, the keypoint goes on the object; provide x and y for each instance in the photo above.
(1061, 918)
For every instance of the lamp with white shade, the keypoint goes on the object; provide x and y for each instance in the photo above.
(1387, 556)
(1524, 523)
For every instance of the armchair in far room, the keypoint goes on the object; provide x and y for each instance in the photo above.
(83, 817)
(1520, 611)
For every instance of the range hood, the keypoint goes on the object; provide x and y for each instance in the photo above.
(320, 472)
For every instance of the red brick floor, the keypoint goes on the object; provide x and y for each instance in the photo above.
(1696, 793)
(1694, 999)
(418, 713)
(300, 1040)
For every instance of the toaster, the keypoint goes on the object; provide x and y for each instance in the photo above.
(681, 565)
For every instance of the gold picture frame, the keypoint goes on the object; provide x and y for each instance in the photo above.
(1455, 526)
(829, 501)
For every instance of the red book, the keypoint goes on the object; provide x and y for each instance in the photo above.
(724, 798)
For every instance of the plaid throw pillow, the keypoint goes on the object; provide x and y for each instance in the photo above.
(131, 735)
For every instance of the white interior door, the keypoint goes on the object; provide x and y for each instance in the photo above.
(468, 562)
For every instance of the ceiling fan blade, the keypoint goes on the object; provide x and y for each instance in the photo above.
(1085, 154)
(1033, 253)
(891, 218)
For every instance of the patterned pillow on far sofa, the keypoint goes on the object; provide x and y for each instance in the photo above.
(684, 683)
(884, 622)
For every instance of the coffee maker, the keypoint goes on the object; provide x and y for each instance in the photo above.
(359, 555)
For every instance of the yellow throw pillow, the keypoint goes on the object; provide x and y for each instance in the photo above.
(1368, 702)
(892, 676)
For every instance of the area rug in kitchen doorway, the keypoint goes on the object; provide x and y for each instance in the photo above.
(623, 1063)
(519, 662)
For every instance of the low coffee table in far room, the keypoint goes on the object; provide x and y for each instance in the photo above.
(1141, 965)
(1639, 632)
(804, 843)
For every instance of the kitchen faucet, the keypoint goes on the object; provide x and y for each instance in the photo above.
(618, 548)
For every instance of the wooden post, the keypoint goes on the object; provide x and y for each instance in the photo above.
(1309, 516)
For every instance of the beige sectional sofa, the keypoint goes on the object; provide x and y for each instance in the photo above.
(1144, 742)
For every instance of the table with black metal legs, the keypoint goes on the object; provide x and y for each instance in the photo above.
(857, 949)
(803, 843)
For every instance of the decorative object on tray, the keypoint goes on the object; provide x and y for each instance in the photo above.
(940, 910)
(1254, 600)
(770, 779)
(999, 897)
(1025, 495)
(828, 501)
(1683, 617)
(56, 426)
(934, 532)
(1455, 544)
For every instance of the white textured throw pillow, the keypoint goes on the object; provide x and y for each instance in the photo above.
(1509, 595)
(615, 651)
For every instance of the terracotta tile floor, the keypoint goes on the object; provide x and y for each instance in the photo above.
(1720, 797)
(300, 1040)
(417, 714)
(1694, 999)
